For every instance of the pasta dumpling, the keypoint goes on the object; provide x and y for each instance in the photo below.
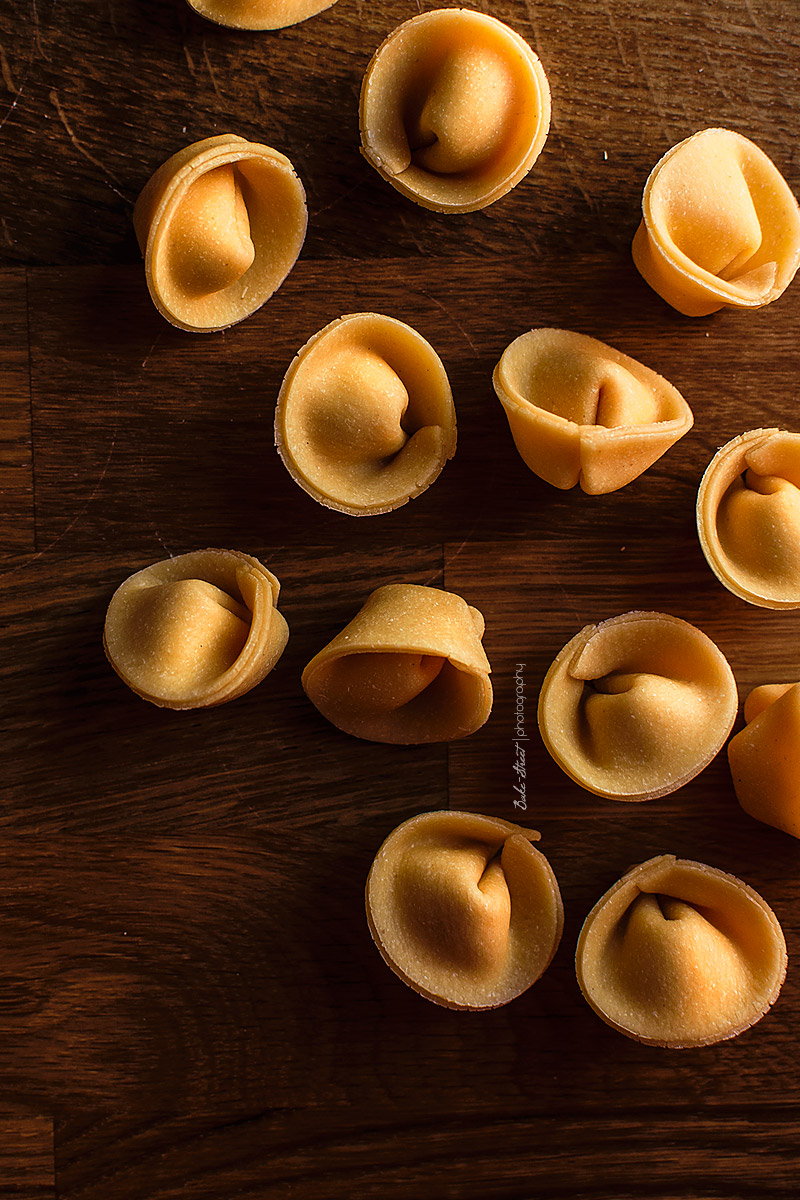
(455, 109)
(582, 412)
(635, 707)
(464, 909)
(764, 757)
(720, 226)
(748, 517)
(197, 630)
(259, 14)
(409, 668)
(220, 226)
(680, 954)
(365, 419)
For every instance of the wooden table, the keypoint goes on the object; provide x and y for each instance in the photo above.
(190, 1002)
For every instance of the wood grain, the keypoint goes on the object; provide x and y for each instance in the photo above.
(436, 1155)
(27, 1163)
(18, 526)
(191, 1003)
(89, 117)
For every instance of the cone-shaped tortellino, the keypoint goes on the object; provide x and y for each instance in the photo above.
(197, 630)
(220, 226)
(680, 954)
(748, 517)
(764, 757)
(258, 14)
(455, 109)
(635, 707)
(409, 668)
(464, 909)
(720, 226)
(365, 418)
(582, 412)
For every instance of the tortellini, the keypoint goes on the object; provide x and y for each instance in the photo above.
(764, 757)
(409, 668)
(455, 109)
(635, 707)
(220, 226)
(259, 14)
(196, 630)
(680, 954)
(464, 909)
(720, 226)
(365, 418)
(748, 517)
(582, 412)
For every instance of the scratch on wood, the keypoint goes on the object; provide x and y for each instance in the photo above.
(37, 31)
(211, 70)
(13, 105)
(78, 516)
(652, 91)
(82, 149)
(719, 80)
(449, 315)
(189, 61)
(6, 233)
(338, 199)
(757, 26)
(6, 71)
(152, 348)
(613, 26)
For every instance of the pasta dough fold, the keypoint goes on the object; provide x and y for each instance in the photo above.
(720, 226)
(365, 418)
(635, 707)
(680, 954)
(259, 14)
(455, 109)
(582, 412)
(409, 668)
(464, 909)
(764, 757)
(220, 226)
(197, 630)
(748, 517)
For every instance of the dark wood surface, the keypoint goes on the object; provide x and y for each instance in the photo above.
(190, 1003)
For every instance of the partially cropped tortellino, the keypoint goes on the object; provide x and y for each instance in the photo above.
(464, 909)
(764, 757)
(680, 954)
(582, 412)
(455, 109)
(635, 707)
(409, 668)
(365, 418)
(196, 630)
(259, 14)
(748, 517)
(720, 226)
(220, 226)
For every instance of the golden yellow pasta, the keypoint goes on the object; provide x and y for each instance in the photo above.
(764, 757)
(455, 109)
(365, 418)
(635, 707)
(220, 226)
(197, 630)
(748, 517)
(720, 226)
(259, 14)
(582, 412)
(464, 909)
(409, 668)
(679, 954)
